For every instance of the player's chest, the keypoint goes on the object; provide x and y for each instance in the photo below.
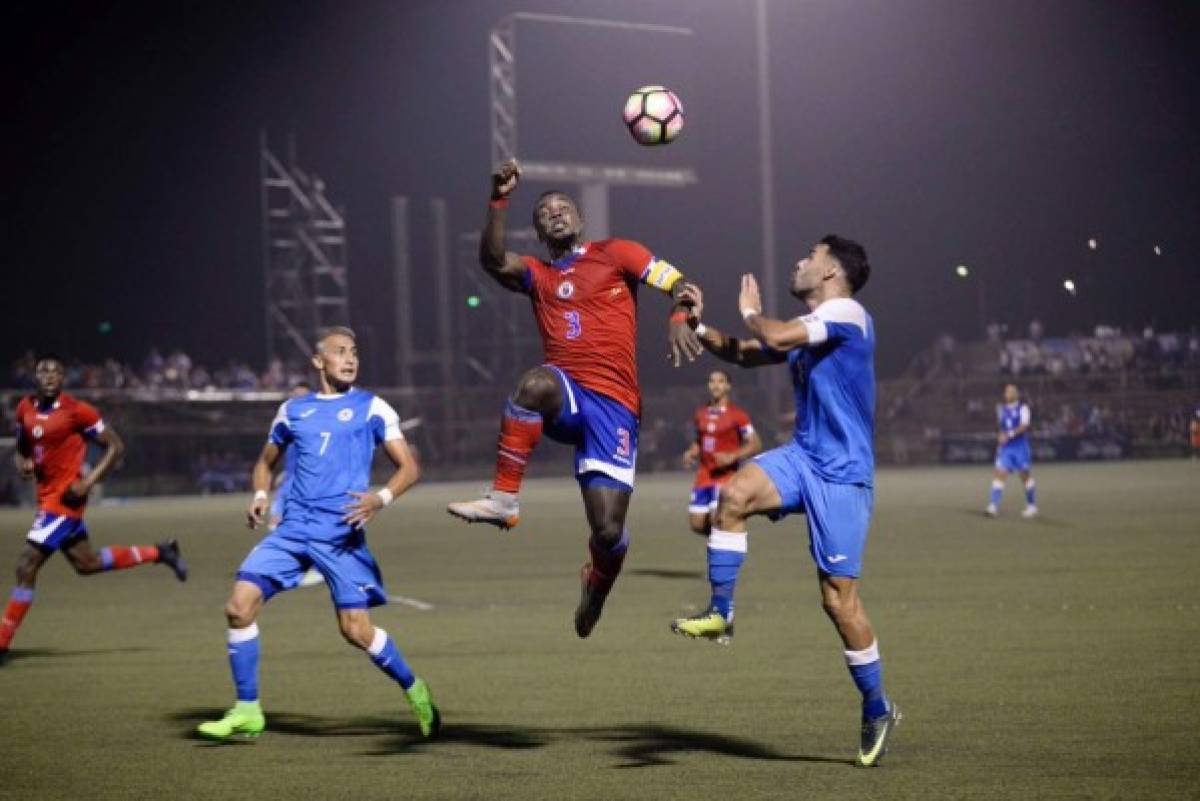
(316, 428)
(48, 429)
(715, 425)
(586, 283)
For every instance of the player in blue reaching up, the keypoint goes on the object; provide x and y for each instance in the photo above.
(826, 471)
(334, 434)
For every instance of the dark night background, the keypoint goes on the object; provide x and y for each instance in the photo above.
(999, 135)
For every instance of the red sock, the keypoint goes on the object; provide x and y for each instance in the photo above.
(119, 557)
(606, 563)
(520, 430)
(18, 604)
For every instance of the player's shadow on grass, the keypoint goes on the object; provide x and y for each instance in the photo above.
(21, 654)
(651, 745)
(654, 572)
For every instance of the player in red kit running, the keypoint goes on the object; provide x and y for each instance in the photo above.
(586, 393)
(52, 433)
(724, 439)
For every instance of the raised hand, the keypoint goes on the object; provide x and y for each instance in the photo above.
(505, 179)
(748, 298)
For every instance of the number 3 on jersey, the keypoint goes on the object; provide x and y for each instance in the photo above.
(574, 329)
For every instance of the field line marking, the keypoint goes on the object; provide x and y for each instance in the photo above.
(413, 602)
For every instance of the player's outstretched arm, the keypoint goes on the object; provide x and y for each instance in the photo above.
(742, 352)
(260, 481)
(682, 337)
(114, 449)
(366, 504)
(505, 266)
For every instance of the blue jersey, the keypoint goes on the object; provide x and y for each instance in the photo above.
(1010, 417)
(334, 439)
(285, 482)
(834, 381)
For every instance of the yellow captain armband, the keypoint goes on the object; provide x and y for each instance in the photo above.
(661, 275)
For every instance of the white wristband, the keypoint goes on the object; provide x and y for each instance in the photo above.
(260, 495)
(386, 496)
(748, 313)
(700, 329)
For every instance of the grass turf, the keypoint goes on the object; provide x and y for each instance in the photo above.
(1053, 658)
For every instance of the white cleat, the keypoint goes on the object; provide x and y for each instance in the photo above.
(991, 510)
(1030, 511)
(500, 509)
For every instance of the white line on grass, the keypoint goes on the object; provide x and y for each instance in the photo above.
(413, 602)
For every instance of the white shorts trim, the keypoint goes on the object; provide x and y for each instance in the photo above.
(40, 535)
(622, 474)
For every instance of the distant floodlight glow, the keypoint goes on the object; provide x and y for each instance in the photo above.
(473, 301)
(1069, 285)
(961, 271)
(1157, 250)
(1093, 244)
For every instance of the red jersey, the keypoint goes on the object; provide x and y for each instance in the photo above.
(54, 438)
(586, 309)
(719, 430)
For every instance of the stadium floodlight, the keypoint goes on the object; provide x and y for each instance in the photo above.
(1069, 285)
(1157, 250)
(1092, 244)
(961, 271)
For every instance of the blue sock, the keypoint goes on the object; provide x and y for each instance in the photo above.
(387, 657)
(243, 661)
(997, 492)
(1031, 492)
(867, 671)
(726, 553)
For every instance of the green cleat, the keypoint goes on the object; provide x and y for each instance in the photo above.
(711, 625)
(246, 719)
(875, 734)
(421, 702)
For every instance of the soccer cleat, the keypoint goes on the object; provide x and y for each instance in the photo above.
(591, 603)
(421, 702)
(710, 625)
(875, 734)
(1030, 511)
(168, 554)
(246, 719)
(311, 578)
(497, 508)
(991, 510)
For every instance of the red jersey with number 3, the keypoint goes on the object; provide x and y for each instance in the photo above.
(719, 429)
(586, 309)
(55, 438)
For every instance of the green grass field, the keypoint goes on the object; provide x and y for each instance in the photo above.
(1055, 658)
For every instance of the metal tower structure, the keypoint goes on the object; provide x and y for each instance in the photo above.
(304, 255)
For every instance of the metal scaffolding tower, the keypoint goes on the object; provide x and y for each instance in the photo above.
(304, 255)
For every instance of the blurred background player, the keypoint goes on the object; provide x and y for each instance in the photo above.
(1012, 452)
(586, 394)
(826, 471)
(282, 484)
(724, 438)
(53, 430)
(334, 433)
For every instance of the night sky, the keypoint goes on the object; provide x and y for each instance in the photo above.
(1000, 135)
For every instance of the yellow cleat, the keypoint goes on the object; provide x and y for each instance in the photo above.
(708, 626)
(246, 719)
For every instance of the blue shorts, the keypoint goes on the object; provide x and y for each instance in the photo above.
(604, 433)
(705, 498)
(1014, 459)
(51, 532)
(302, 541)
(839, 515)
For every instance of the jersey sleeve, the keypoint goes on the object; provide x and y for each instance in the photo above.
(531, 267)
(639, 263)
(87, 420)
(23, 446)
(281, 430)
(744, 426)
(1026, 415)
(385, 422)
(836, 321)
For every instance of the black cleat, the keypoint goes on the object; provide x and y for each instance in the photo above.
(875, 735)
(168, 554)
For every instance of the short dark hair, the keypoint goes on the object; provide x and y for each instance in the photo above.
(723, 372)
(853, 258)
(49, 356)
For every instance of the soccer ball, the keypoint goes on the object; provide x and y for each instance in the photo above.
(653, 115)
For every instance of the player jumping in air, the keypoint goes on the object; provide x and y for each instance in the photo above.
(334, 433)
(826, 471)
(1012, 452)
(53, 429)
(724, 438)
(586, 394)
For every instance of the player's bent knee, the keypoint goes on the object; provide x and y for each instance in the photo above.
(608, 532)
(239, 612)
(356, 630)
(536, 389)
(699, 524)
